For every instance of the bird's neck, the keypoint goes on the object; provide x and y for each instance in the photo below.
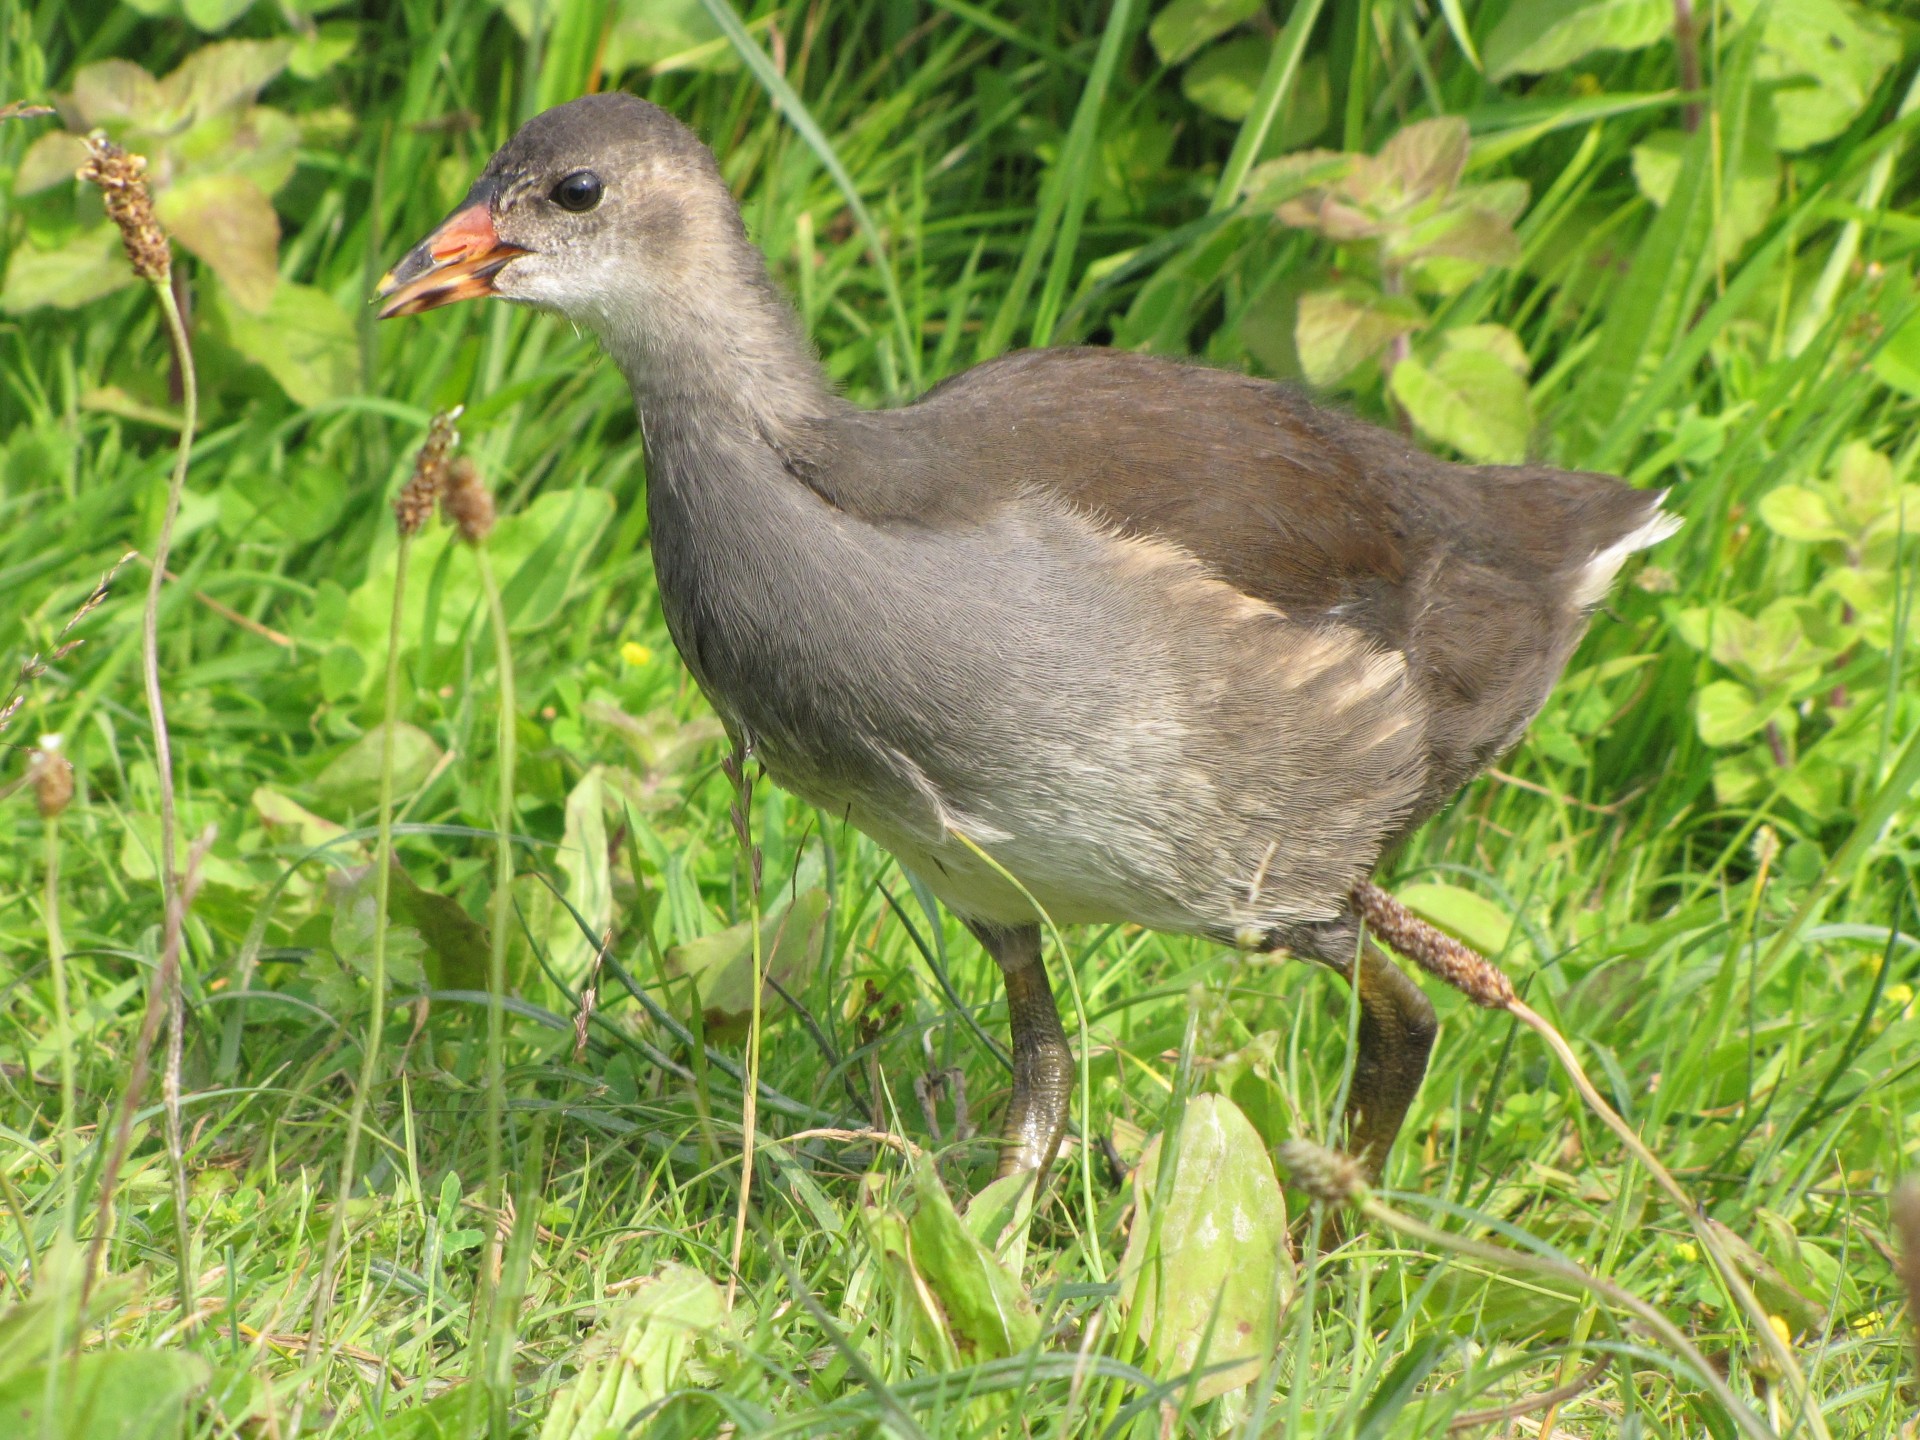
(720, 356)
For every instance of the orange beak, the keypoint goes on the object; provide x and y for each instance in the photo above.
(456, 262)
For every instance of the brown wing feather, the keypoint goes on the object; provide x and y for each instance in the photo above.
(1474, 573)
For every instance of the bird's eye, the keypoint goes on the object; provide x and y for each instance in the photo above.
(579, 191)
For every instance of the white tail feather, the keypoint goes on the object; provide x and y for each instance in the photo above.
(1596, 576)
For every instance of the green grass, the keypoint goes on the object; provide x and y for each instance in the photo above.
(1700, 864)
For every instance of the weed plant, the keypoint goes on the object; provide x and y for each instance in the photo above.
(1674, 241)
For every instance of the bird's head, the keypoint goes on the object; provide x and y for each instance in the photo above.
(595, 209)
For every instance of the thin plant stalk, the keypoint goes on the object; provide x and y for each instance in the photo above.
(63, 1017)
(377, 982)
(499, 1356)
(163, 763)
(750, 1107)
(120, 177)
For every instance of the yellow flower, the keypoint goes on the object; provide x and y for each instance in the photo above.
(1686, 1251)
(1780, 1328)
(635, 654)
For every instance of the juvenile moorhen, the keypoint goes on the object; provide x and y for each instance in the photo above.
(1175, 646)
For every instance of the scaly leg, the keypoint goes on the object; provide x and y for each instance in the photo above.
(1396, 1034)
(1042, 1064)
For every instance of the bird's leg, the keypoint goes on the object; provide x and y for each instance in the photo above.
(1396, 1033)
(1042, 1064)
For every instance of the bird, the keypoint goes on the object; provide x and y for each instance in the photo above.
(1080, 635)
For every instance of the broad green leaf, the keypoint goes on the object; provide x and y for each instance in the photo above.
(1469, 398)
(1727, 712)
(1863, 483)
(1224, 80)
(721, 964)
(1305, 173)
(115, 91)
(1836, 50)
(641, 1350)
(88, 266)
(229, 223)
(1497, 340)
(1750, 189)
(52, 159)
(986, 1310)
(105, 1395)
(291, 824)
(1184, 26)
(223, 75)
(1536, 36)
(458, 947)
(1427, 157)
(314, 54)
(1253, 1078)
(540, 551)
(351, 933)
(214, 15)
(1207, 1275)
(665, 34)
(351, 780)
(1336, 330)
(1463, 914)
(999, 1214)
(1794, 512)
(1457, 232)
(1897, 361)
(303, 339)
(253, 141)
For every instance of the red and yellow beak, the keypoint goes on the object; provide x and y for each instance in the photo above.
(456, 262)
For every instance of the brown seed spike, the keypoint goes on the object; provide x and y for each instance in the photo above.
(1433, 950)
(1324, 1174)
(416, 498)
(123, 185)
(466, 502)
(52, 782)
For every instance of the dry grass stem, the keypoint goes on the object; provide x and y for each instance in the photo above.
(166, 975)
(34, 666)
(1778, 1350)
(1314, 1165)
(1545, 1400)
(735, 766)
(1475, 977)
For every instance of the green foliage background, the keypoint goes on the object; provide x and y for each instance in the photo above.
(1541, 228)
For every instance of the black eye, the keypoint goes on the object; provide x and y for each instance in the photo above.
(579, 191)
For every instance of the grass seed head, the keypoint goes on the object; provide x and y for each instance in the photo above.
(123, 185)
(1324, 1174)
(466, 502)
(1432, 949)
(416, 498)
(52, 776)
